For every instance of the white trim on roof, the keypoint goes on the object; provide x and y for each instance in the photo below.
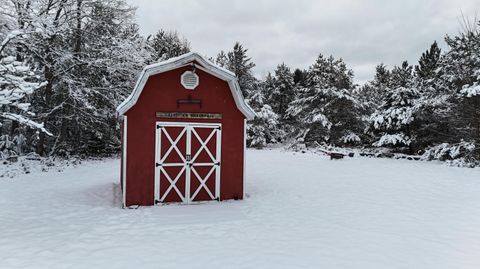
(180, 61)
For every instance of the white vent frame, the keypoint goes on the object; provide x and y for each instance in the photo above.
(186, 85)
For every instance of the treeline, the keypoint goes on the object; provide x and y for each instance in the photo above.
(431, 108)
(64, 67)
(66, 64)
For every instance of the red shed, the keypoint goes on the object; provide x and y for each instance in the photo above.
(183, 134)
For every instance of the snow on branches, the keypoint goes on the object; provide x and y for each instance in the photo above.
(393, 139)
(471, 91)
(16, 82)
(391, 122)
(327, 106)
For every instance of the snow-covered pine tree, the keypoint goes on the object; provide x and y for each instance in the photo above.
(222, 59)
(430, 122)
(265, 128)
(428, 63)
(392, 121)
(283, 91)
(166, 44)
(267, 86)
(300, 78)
(460, 79)
(372, 93)
(325, 110)
(239, 63)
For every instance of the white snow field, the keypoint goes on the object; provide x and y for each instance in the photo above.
(302, 211)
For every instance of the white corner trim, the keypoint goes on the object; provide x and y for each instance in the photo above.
(178, 62)
(124, 162)
(244, 157)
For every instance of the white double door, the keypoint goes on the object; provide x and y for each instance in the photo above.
(187, 162)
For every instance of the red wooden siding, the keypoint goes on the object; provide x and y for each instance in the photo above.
(160, 94)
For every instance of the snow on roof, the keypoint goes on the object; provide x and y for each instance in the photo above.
(180, 61)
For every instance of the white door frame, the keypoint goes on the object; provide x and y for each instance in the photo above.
(188, 165)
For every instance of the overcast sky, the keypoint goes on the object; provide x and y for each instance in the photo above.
(363, 33)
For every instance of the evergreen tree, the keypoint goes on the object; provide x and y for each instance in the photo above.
(268, 86)
(164, 45)
(300, 78)
(239, 63)
(429, 123)
(65, 65)
(283, 91)
(222, 60)
(373, 92)
(428, 63)
(265, 127)
(460, 80)
(392, 121)
(325, 110)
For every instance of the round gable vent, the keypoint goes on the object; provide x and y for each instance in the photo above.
(189, 80)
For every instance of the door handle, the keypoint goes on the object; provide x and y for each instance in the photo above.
(188, 158)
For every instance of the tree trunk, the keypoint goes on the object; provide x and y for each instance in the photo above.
(13, 127)
(48, 73)
(41, 141)
(477, 117)
(49, 77)
(78, 34)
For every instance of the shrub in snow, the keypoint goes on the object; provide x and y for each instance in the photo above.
(298, 145)
(461, 153)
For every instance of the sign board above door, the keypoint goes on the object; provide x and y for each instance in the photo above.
(188, 115)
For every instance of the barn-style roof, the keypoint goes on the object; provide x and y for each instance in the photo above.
(185, 60)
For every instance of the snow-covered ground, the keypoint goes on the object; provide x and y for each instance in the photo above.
(303, 211)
